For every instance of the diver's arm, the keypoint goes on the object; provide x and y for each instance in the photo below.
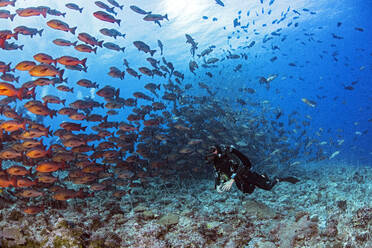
(241, 156)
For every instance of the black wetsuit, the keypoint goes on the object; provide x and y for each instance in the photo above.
(231, 163)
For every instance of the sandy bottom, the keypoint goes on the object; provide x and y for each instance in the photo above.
(330, 207)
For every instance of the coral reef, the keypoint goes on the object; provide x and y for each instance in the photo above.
(318, 211)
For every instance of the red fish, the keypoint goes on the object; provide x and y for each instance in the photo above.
(6, 181)
(103, 16)
(68, 60)
(7, 89)
(32, 11)
(90, 40)
(60, 25)
(70, 126)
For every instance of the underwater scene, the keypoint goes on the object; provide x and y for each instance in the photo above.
(185, 123)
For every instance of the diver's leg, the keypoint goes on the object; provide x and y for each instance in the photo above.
(261, 181)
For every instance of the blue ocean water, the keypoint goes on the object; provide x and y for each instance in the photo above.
(306, 60)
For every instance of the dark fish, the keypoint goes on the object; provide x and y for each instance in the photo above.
(141, 46)
(219, 2)
(105, 7)
(359, 29)
(348, 87)
(111, 32)
(74, 7)
(116, 4)
(160, 44)
(139, 10)
(337, 37)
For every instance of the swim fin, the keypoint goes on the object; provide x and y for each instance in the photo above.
(289, 179)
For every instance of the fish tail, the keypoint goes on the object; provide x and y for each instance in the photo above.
(12, 17)
(121, 7)
(15, 35)
(13, 181)
(19, 93)
(72, 30)
(17, 79)
(95, 50)
(81, 10)
(100, 43)
(32, 93)
(139, 76)
(21, 47)
(13, 3)
(49, 151)
(40, 32)
(118, 21)
(105, 118)
(52, 113)
(44, 12)
(74, 43)
(63, 102)
(64, 14)
(83, 128)
(83, 62)
(166, 17)
(123, 48)
(152, 52)
(60, 73)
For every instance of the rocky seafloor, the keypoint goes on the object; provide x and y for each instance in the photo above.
(330, 207)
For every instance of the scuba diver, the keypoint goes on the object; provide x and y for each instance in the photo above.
(230, 166)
